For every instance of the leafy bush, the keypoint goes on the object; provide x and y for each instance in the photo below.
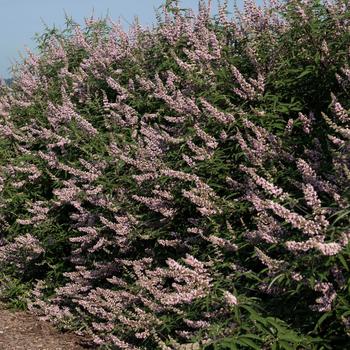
(186, 185)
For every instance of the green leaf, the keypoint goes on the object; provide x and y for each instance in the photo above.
(342, 260)
(249, 343)
(321, 319)
(304, 73)
(290, 337)
(275, 279)
(285, 345)
(344, 214)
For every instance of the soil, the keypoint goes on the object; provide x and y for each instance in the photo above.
(20, 330)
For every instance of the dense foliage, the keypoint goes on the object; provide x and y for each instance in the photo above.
(184, 186)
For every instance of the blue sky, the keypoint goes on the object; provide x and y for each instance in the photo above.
(21, 19)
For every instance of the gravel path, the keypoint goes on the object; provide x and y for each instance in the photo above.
(22, 331)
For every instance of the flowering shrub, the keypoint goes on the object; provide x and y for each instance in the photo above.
(186, 185)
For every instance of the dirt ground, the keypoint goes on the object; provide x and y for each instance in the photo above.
(22, 331)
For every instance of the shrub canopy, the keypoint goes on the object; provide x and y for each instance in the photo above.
(185, 184)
